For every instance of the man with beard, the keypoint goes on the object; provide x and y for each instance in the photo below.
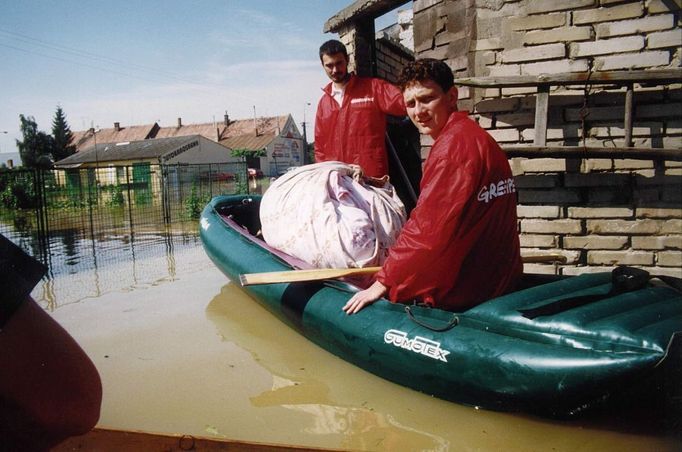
(350, 125)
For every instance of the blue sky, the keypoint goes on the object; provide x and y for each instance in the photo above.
(140, 62)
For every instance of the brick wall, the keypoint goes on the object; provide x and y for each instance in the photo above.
(390, 58)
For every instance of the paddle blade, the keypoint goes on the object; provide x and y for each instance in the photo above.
(315, 274)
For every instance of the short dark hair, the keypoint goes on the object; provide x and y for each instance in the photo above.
(332, 47)
(426, 69)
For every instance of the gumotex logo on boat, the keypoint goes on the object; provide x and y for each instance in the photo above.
(418, 344)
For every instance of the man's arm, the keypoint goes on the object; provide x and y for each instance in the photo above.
(389, 98)
(321, 131)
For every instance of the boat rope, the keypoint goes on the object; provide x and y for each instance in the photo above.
(454, 321)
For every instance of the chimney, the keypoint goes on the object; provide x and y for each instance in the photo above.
(179, 122)
(255, 122)
(227, 120)
(117, 126)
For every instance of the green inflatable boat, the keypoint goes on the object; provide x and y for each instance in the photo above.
(557, 347)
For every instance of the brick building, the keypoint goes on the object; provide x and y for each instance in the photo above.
(586, 98)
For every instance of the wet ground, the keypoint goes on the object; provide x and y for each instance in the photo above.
(182, 350)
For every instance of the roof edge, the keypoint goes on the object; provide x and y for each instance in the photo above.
(360, 9)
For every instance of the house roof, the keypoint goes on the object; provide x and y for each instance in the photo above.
(86, 138)
(250, 142)
(360, 9)
(134, 150)
(250, 134)
(264, 125)
(207, 130)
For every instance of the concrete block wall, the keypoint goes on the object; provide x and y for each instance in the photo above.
(531, 37)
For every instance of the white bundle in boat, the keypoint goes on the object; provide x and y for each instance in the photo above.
(326, 215)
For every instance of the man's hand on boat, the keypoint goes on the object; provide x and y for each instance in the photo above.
(365, 298)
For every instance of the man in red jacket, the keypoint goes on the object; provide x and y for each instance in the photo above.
(460, 246)
(350, 124)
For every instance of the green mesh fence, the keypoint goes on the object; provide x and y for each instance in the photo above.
(95, 203)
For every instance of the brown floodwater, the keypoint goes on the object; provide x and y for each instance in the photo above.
(182, 350)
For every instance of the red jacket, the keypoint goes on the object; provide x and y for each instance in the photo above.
(460, 246)
(355, 131)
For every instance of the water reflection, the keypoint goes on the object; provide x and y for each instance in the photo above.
(323, 395)
(103, 248)
(82, 265)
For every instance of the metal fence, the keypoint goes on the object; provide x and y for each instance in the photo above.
(36, 205)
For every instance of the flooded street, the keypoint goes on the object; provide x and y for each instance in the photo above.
(182, 350)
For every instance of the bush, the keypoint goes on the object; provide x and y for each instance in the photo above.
(241, 184)
(116, 197)
(19, 193)
(195, 203)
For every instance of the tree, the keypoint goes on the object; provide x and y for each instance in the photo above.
(246, 154)
(62, 135)
(36, 148)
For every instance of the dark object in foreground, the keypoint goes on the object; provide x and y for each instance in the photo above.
(49, 388)
(490, 356)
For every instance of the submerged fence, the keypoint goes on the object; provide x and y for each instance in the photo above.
(38, 205)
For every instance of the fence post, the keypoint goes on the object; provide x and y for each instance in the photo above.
(165, 195)
(41, 212)
(92, 225)
(130, 202)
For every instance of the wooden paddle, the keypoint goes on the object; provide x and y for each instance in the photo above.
(317, 274)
